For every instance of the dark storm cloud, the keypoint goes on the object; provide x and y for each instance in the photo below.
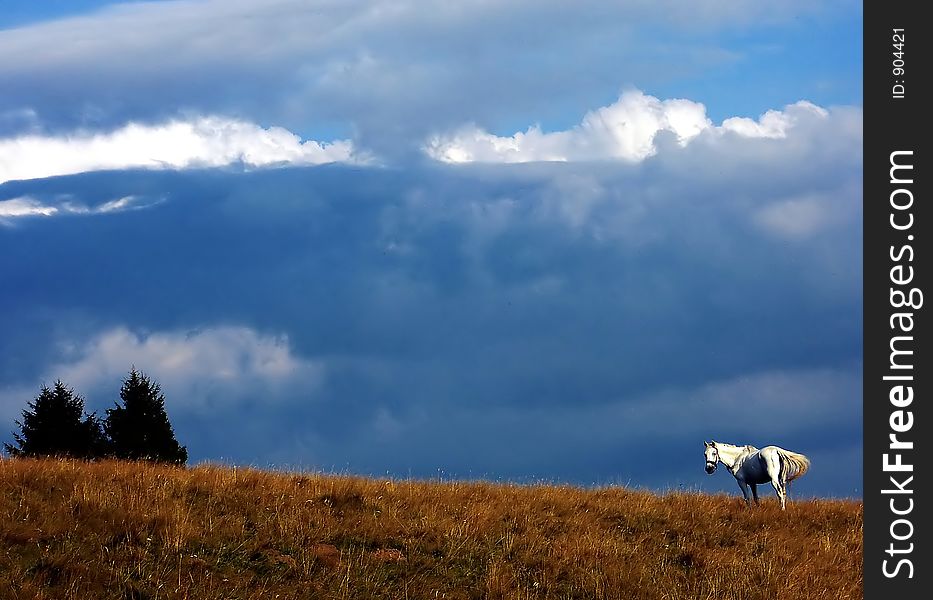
(552, 321)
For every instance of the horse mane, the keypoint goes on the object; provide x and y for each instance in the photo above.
(748, 447)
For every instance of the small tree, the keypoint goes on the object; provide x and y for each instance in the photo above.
(140, 429)
(52, 426)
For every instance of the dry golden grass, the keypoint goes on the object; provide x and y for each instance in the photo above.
(119, 530)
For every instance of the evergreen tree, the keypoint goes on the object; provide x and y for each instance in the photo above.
(140, 429)
(52, 426)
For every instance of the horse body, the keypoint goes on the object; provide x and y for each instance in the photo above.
(751, 466)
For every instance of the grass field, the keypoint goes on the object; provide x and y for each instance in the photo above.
(121, 530)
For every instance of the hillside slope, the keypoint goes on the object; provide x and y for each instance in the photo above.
(136, 531)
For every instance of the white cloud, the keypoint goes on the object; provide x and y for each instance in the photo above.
(178, 144)
(625, 130)
(197, 370)
(774, 123)
(124, 203)
(27, 206)
(24, 206)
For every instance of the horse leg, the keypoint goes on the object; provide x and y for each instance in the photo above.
(744, 487)
(774, 471)
(755, 493)
(777, 490)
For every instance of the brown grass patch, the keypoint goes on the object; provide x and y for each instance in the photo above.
(115, 530)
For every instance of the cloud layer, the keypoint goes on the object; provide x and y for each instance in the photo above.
(488, 320)
(630, 129)
(390, 73)
(200, 142)
(624, 130)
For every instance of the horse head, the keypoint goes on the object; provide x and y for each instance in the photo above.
(712, 456)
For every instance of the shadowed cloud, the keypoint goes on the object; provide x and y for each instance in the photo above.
(496, 321)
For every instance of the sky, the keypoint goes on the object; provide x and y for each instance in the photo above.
(504, 240)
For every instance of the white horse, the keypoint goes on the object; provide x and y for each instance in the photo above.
(751, 466)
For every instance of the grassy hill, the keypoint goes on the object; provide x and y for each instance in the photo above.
(135, 531)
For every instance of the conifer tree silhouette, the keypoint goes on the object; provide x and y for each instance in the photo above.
(140, 429)
(52, 426)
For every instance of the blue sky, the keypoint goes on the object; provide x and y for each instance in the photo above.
(490, 239)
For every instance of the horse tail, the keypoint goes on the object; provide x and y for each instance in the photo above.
(793, 464)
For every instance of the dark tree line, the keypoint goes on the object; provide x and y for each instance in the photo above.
(136, 428)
